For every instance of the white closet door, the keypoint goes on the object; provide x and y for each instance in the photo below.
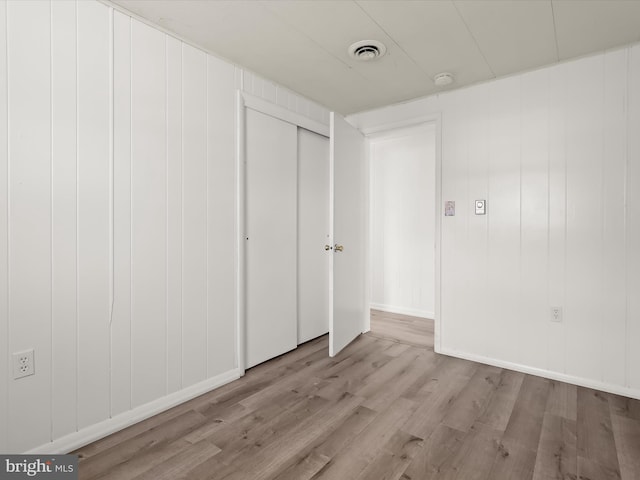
(313, 235)
(271, 237)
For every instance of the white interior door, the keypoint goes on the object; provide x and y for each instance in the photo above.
(313, 235)
(349, 211)
(271, 235)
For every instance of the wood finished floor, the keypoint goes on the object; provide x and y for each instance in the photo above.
(382, 409)
(402, 328)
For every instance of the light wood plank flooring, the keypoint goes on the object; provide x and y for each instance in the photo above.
(402, 328)
(382, 409)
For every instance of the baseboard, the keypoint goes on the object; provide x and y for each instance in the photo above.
(403, 311)
(541, 372)
(95, 432)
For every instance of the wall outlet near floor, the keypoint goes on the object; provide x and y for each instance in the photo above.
(23, 364)
(556, 314)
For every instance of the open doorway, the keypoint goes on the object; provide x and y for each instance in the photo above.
(403, 233)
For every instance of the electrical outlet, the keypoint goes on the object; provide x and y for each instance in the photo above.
(23, 364)
(556, 314)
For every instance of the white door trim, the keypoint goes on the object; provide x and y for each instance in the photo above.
(281, 113)
(240, 234)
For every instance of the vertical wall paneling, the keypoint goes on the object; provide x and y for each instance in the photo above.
(504, 208)
(476, 114)
(614, 157)
(148, 211)
(633, 220)
(459, 255)
(282, 96)
(450, 145)
(402, 220)
(63, 211)
(174, 214)
(534, 213)
(117, 217)
(557, 124)
(93, 213)
(121, 322)
(194, 210)
(263, 88)
(221, 215)
(563, 218)
(4, 230)
(30, 217)
(269, 91)
(293, 102)
(583, 308)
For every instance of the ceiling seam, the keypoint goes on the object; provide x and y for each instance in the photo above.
(394, 40)
(295, 27)
(555, 30)
(474, 39)
(264, 5)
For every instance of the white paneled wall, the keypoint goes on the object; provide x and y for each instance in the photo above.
(4, 229)
(29, 187)
(556, 154)
(221, 216)
(148, 195)
(194, 219)
(260, 87)
(632, 221)
(93, 188)
(121, 328)
(402, 170)
(117, 221)
(64, 211)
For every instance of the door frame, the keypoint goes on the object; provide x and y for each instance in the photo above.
(434, 118)
(243, 101)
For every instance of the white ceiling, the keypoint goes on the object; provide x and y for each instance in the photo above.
(302, 44)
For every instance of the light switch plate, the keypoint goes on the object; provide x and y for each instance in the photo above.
(481, 207)
(449, 208)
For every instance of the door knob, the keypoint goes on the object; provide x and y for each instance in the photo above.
(338, 248)
(328, 247)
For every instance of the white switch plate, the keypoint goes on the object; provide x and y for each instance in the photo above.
(481, 207)
(450, 208)
(23, 364)
(556, 314)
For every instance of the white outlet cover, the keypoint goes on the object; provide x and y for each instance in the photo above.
(23, 364)
(556, 314)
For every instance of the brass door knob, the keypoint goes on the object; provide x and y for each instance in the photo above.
(328, 247)
(338, 248)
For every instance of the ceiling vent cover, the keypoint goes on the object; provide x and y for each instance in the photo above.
(367, 50)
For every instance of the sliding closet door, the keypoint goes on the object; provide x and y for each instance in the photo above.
(271, 237)
(313, 235)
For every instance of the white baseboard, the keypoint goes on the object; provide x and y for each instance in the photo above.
(95, 432)
(403, 311)
(541, 372)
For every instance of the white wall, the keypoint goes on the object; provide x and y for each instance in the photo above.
(117, 220)
(403, 220)
(556, 154)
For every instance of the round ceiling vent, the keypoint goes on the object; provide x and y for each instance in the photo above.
(366, 50)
